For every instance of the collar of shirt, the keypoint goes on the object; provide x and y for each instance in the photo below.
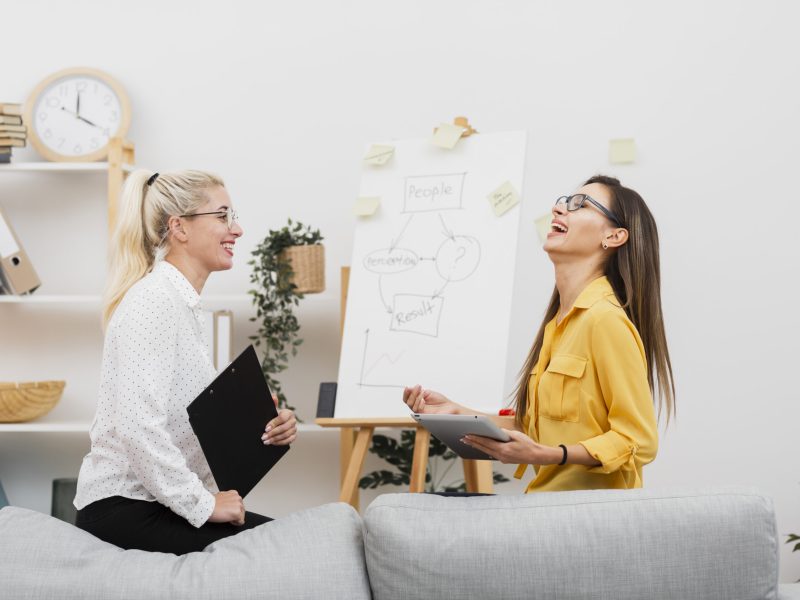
(181, 284)
(591, 294)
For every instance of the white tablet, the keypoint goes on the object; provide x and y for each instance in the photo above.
(451, 428)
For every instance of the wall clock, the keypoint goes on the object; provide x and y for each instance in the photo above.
(72, 114)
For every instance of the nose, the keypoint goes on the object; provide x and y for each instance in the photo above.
(236, 230)
(559, 210)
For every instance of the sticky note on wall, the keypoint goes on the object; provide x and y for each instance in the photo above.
(543, 225)
(366, 206)
(621, 151)
(503, 198)
(447, 135)
(379, 154)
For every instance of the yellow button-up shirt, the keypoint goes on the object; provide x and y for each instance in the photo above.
(590, 387)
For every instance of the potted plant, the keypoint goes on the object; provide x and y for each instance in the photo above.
(287, 264)
(400, 454)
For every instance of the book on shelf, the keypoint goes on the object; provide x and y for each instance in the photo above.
(13, 142)
(4, 129)
(17, 275)
(11, 108)
(10, 120)
(5, 158)
(16, 135)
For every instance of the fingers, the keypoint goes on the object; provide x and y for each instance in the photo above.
(282, 430)
(484, 444)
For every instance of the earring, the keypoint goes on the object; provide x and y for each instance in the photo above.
(605, 245)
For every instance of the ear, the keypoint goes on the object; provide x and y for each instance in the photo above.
(176, 230)
(615, 237)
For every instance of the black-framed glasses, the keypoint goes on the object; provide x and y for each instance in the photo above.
(230, 216)
(576, 201)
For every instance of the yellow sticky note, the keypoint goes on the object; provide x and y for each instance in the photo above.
(366, 206)
(621, 151)
(379, 154)
(447, 135)
(503, 198)
(543, 226)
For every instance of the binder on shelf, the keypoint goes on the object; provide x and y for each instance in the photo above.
(219, 337)
(17, 275)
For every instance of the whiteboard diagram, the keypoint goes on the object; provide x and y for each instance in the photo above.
(432, 277)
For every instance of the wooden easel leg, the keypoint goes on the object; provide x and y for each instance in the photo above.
(347, 440)
(350, 483)
(478, 476)
(419, 464)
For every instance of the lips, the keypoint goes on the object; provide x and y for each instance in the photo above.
(228, 247)
(558, 227)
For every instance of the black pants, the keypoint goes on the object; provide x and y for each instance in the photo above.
(142, 525)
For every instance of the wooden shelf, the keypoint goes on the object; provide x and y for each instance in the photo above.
(83, 427)
(99, 167)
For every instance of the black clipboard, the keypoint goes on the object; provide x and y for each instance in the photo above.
(229, 417)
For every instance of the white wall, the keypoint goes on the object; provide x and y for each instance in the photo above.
(281, 100)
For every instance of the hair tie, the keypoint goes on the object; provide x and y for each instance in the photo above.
(151, 180)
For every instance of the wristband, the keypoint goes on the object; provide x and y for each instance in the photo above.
(564, 459)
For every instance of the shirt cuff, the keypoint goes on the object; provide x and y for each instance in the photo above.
(612, 451)
(203, 510)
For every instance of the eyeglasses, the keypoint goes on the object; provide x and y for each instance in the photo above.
(577, 201)
(229, 216)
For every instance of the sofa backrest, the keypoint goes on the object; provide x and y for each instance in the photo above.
(314, 553)
(632, 544)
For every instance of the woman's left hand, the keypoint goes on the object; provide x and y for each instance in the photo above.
(282, 430)
(520, 449)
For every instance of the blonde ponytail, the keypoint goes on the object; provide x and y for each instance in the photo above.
(141, 235)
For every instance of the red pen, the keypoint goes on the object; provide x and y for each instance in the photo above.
(507, 412)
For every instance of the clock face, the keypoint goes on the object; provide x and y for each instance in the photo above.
(74, 116)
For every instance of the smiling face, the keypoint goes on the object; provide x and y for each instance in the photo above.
(580, 234)
(209, 242)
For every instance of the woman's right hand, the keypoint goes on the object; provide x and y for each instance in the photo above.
(228, 508)
(430, 402)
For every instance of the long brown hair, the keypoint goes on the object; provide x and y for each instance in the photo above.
(634, 272)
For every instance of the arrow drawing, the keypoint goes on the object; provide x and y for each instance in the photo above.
(380, 291)
(396, 241)
(447, 233)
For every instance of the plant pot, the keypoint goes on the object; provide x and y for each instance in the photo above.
(308, 265)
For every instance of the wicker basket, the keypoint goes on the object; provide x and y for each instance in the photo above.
(26, 401)
(308, 264)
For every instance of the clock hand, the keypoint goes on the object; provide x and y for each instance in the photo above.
(88, 121)
(69, 111)
(78, 106)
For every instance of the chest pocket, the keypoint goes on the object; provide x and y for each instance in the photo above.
(560, 387)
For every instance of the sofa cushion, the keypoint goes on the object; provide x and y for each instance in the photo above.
(616, 544)
(311, 553)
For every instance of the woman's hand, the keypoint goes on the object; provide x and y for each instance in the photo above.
(430, 402)
(520, 449)
(282, 430)
(228, 508)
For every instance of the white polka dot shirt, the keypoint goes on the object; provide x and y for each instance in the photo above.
(155, 363)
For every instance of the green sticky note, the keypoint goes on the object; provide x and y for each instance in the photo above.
(379, 154)
(447, 135)
(366, 206)
(543, 226)
(503, 198)
(621, 151)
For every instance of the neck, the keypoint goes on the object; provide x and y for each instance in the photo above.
(571, 280)
(195, 275)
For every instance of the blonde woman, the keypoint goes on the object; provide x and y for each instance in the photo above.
(145, 483)
(584, 402)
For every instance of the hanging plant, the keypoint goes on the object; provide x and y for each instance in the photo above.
(400, 454)
(276, 273)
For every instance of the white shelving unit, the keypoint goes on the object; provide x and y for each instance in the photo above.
(97, 167)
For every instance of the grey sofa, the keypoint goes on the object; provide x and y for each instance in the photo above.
(719, 543)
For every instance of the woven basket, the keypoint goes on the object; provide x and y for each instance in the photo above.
(308, 264)
(26, 401)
